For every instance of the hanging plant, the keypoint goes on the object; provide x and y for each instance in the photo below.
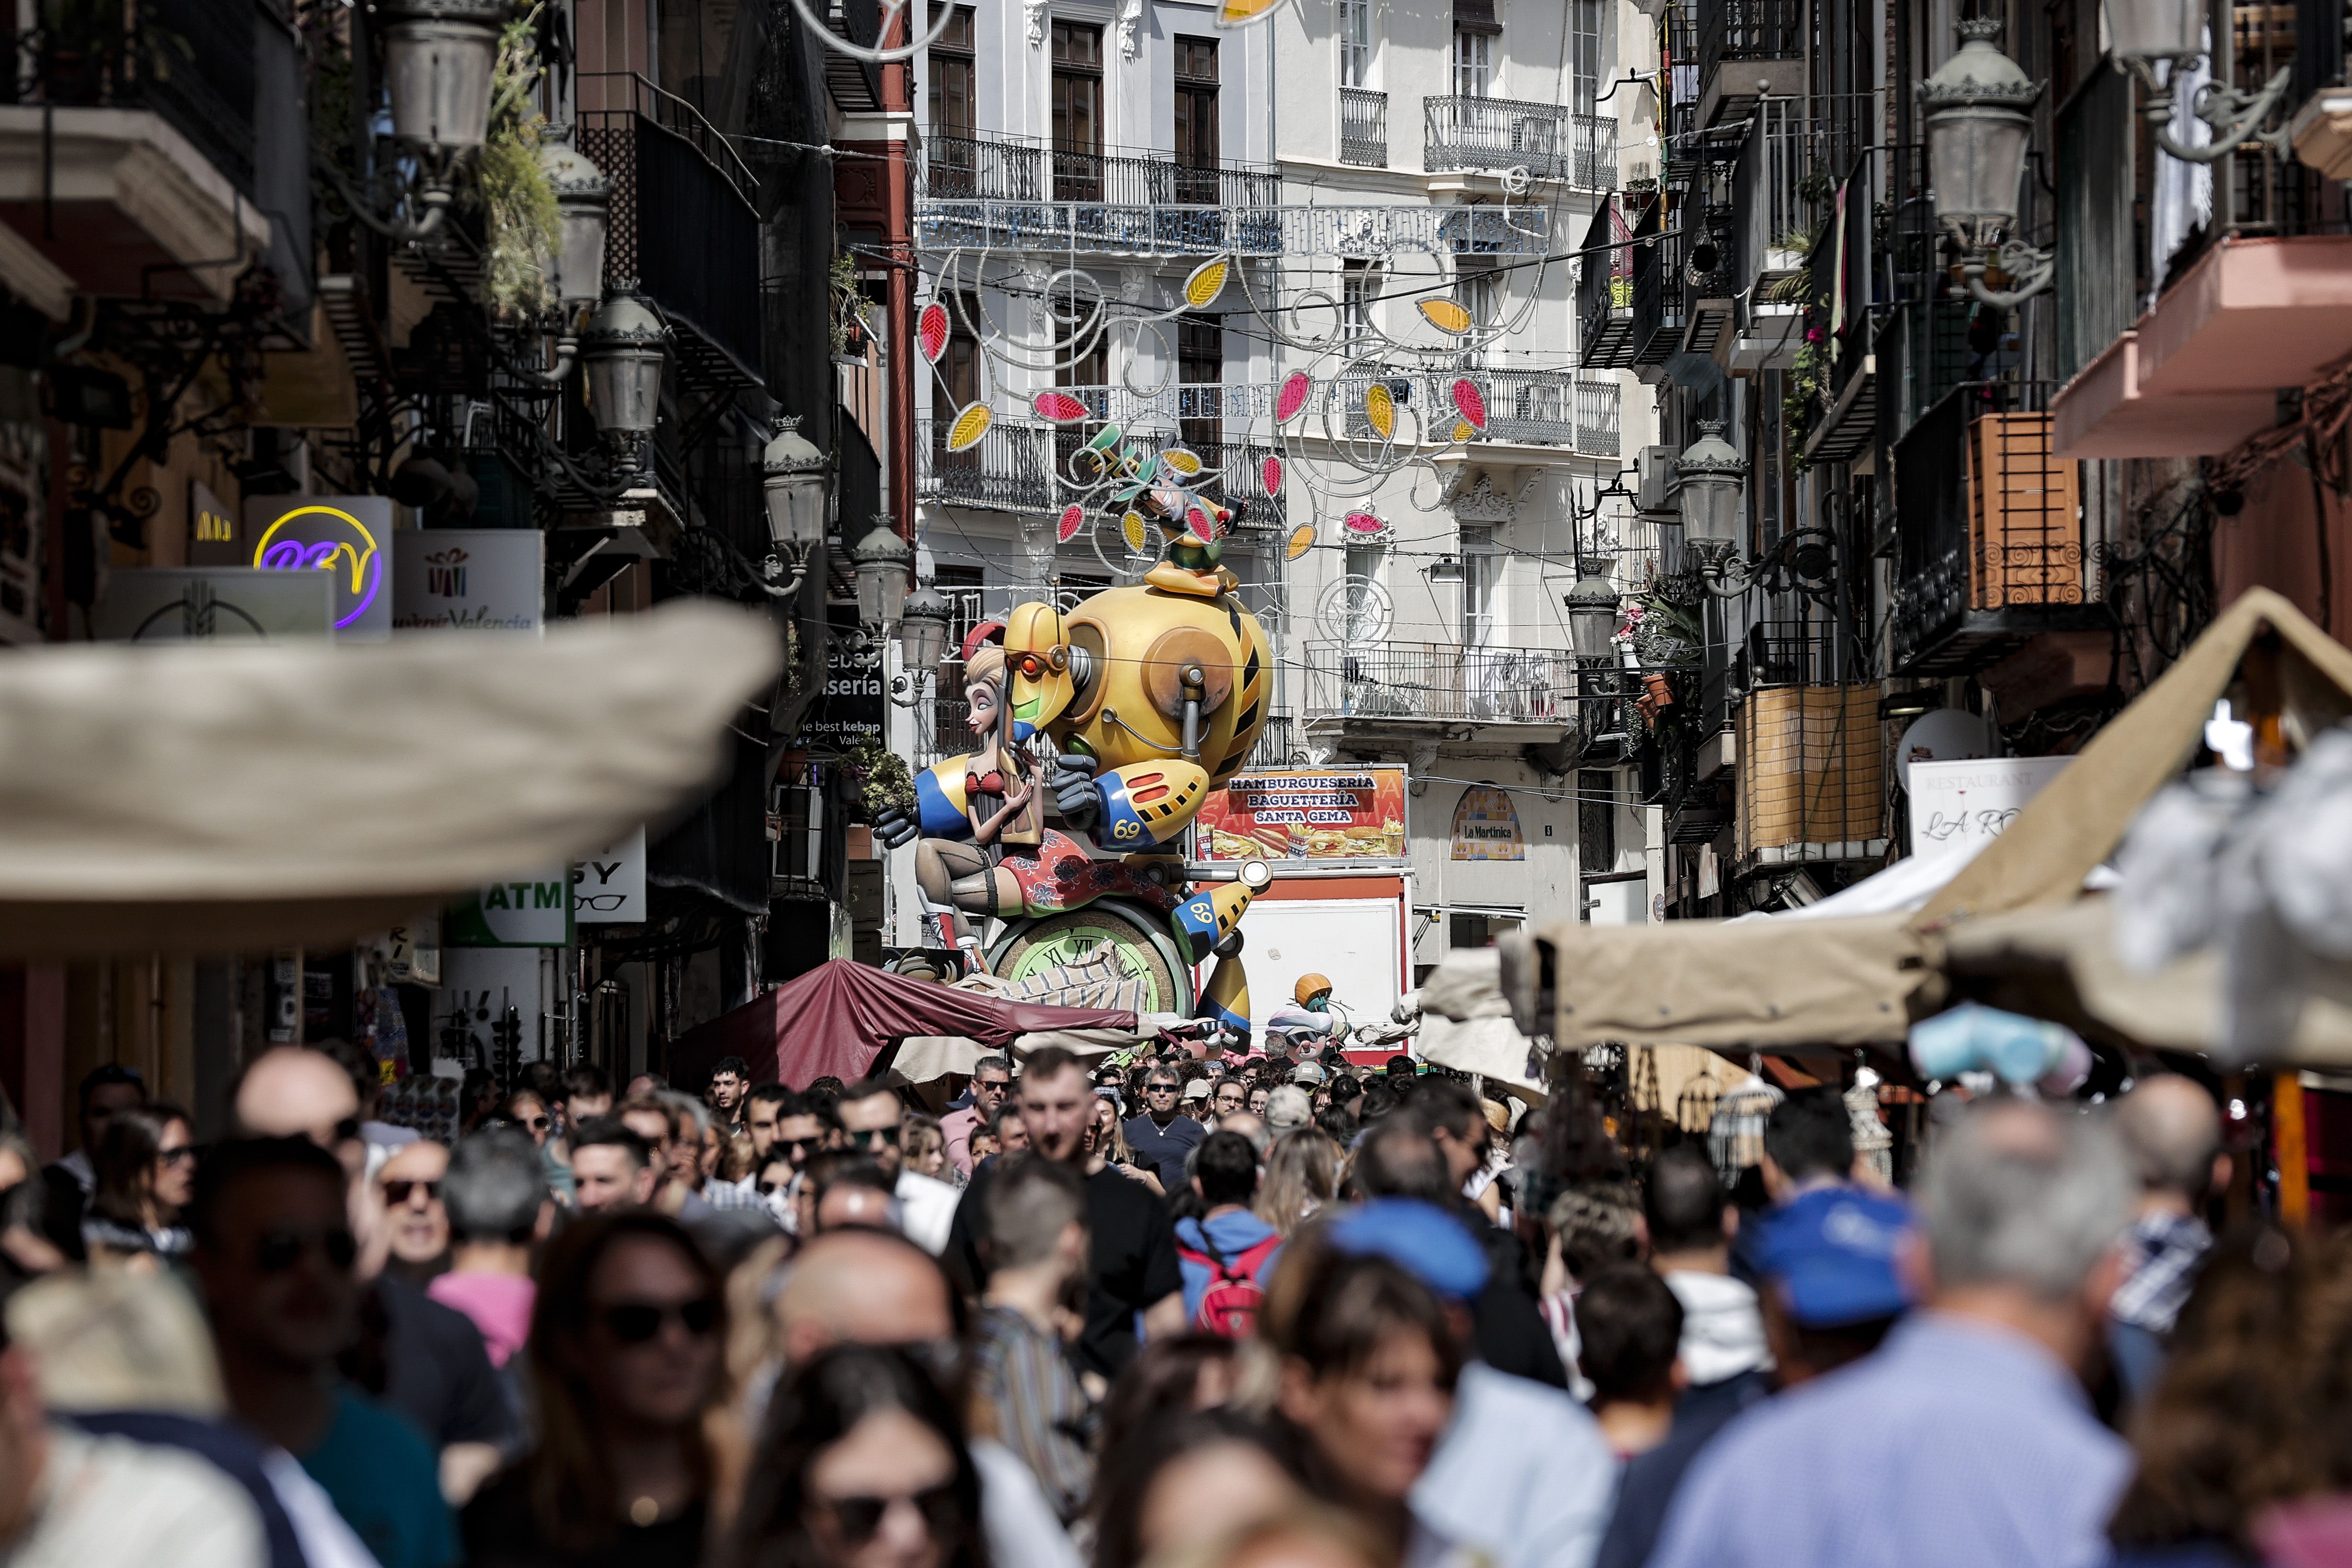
(881, 777)
(518, 213)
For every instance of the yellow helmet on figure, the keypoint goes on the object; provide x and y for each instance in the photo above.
(1309, 987)
(1037, 665)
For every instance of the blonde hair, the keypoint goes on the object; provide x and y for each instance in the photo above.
(1302, 1173)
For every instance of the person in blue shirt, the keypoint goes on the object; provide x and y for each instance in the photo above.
(273, 1253)
(1965, 1439)
(1229, 1251)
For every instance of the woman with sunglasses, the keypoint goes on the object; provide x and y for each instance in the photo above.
(626, 1378)
(146, 1172)
(527, 1111)
(863, 1466)
(1107, 1144)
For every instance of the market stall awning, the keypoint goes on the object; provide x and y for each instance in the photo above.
(838, 1019)
(218, 798)
(1769, 985)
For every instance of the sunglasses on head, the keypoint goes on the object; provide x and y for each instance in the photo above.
(635, 1323)
(859, 1517)
(280, 1250)
(398, 1193)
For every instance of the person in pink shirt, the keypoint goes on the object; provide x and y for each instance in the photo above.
(992, 1077)
(499, 1205)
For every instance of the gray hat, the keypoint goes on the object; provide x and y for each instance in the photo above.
(1306, 1073)
(1197, 1089)
(1288, 1107)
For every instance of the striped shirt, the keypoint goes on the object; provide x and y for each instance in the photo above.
(1042, 1414)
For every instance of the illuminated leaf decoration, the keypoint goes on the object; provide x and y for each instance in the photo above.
(1059, 407)
(1074, 516)
(1445, 316)
(1380, 407)
(1202, 526)
(969, 427)
(931, 331)
(1271, 472)
(1239, 13)
(1180, 461)
(1302, 539)
(1463, 429)
(1471, 402)
(1131, 525)
(1292, 398)
(1363, 523)
(1208, 281)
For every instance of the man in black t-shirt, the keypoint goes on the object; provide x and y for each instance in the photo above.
(1133, 1282)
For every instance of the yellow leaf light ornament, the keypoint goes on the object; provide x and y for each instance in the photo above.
(1208, 281)
(1380, 407)
(1301, 540)
(1446, 315)
(970, 423)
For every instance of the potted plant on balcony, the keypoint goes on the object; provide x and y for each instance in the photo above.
(522, 225)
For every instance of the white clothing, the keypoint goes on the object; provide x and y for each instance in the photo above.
(1523, 1476)
(109, 1501)
(1020, 1525)
(1723, 1328)
(926, 1209)
(327, 1541)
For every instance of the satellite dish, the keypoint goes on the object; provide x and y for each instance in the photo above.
(1941, 734)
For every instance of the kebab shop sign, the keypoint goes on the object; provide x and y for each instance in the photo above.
(1305, 814)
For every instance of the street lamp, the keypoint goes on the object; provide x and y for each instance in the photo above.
(885, 563)
(922, 640)
(1978, 108)
(793, 485)
(437, 59)
(621, 351)
(1711, 472)
(1592, 613)
(2140, 33)
(583, 200)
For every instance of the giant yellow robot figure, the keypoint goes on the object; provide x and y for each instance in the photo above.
(1128, 710)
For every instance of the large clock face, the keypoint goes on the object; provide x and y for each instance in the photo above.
(1066, 939)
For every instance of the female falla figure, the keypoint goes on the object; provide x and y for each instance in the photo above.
(1003, 804)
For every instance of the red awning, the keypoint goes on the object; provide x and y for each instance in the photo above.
(837, 1019)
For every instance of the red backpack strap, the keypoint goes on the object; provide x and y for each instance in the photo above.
(1251, 1260)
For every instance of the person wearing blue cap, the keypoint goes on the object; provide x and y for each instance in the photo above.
(1967, 1438)
(1523, 1474)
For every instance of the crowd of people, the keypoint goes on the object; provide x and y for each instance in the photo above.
(1290, 1314)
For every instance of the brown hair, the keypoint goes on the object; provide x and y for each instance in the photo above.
(2251, 1407)
(574, 1498)
(125, 1163)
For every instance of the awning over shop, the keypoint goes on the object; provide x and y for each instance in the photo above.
(218, 798)
(1783, 985)
(838, 1019)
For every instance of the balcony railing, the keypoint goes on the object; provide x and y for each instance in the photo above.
(1440, 682)
(1604, 288)
(1102, 227)
(682, 224)
(1784, 188)
(1547, 142)
(1364, 127)
(1659, 301)
(192, 62)
(1544, 408)
(1020, 466)
(1748, 30)
(1003, 169)
(1011, 470)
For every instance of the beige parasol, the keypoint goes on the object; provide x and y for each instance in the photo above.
(218, 798)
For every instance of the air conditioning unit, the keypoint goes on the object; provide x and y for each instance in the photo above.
(1656, 466)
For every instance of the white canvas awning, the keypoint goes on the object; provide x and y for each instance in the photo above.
(223, 798)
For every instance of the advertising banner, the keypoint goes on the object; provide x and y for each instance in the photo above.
(1300, 814)
(468, 580)
(1487, 826)
(608, 888)
(185, 603)
(533, 911)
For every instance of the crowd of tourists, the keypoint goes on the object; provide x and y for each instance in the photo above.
(1287, 1314)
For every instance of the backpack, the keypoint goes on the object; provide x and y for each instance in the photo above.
(1229, 1306)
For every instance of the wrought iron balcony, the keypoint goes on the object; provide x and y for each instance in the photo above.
(1536, 408)
(1392, 683)
(1106, 228)
(682, 225)
(1364, 127)
(1749, 49)
(1991, 550)
(1006, 169)
(1024, 467)
(1604, 290)
(1501, 134)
